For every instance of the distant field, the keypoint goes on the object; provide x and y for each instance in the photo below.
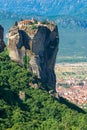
(66, 70)
(69, 59)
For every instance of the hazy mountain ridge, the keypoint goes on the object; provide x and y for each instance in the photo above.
(52, 7)
(63, 21)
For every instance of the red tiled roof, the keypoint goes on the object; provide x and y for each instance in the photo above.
(26, 21)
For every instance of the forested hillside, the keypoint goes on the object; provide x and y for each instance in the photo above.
(25, 108)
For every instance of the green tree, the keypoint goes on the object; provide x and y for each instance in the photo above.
(26, 60)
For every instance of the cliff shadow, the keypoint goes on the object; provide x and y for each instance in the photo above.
(71, 105)
(23, 40)
(12, 98)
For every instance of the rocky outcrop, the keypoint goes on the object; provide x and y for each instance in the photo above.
(39, 42)
(2, 44)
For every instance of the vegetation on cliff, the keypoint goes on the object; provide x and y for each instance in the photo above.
(37, 110)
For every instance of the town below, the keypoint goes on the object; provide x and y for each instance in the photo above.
(71, 82)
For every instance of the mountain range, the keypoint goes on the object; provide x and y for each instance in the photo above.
(49, 8)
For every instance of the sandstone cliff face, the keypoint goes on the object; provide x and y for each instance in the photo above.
(2, 44)
(40, 43)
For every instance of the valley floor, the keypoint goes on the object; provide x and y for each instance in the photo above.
(72, 82)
